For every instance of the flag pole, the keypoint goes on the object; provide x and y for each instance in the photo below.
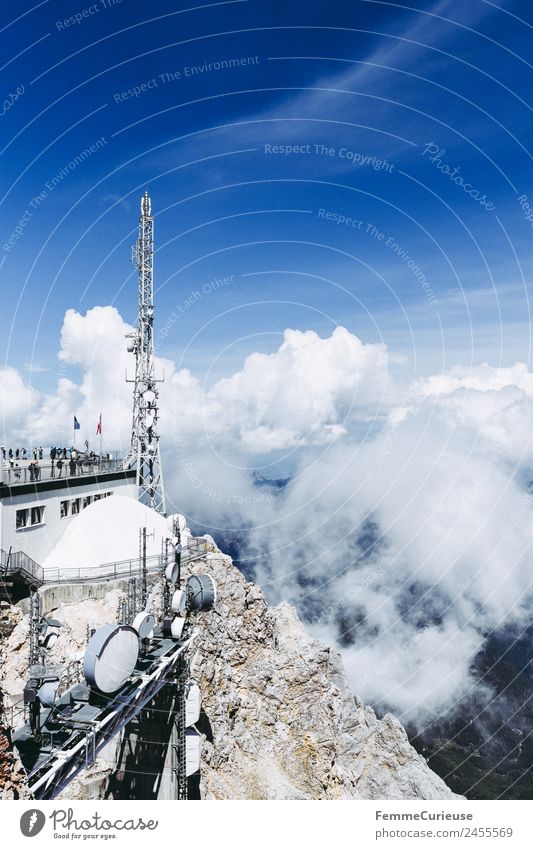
(100, 439)
(74, 432)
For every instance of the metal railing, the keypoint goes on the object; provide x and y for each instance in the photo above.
(28, 473)
(196, 548)
(18, 563)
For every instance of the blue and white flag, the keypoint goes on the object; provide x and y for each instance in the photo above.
(76, 424)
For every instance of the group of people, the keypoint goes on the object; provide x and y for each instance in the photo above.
(60, 458)
(76, 460)
(22, 454)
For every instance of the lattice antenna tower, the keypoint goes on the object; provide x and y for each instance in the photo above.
(145, 450)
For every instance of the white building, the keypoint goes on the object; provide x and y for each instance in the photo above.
(36, 508)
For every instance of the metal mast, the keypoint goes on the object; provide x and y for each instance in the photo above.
(144, 433)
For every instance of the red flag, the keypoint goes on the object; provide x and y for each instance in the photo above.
(99, 426)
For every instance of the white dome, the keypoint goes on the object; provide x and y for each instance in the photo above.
(107, 531)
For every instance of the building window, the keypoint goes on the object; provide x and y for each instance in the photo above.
(75, 508)
(22, 519)
(29, 516)
(98, 497)
(37, 515)
(87, 500)
(63, 509)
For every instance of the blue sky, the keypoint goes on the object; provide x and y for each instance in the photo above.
(324, 177)
(367, 93)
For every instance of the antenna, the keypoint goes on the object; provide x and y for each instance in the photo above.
(144, 432)
(35, 618)
(142, 567)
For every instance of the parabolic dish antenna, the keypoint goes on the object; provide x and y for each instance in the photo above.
(47, 693)
(201, 592)
(171, 572)
(144, 624)
(192, 751)
(110, 657)
(179, 519)
(177, 626)
(179, 602)
(193, 704)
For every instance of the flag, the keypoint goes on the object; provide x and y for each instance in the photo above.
(99, 426)
(76, 424)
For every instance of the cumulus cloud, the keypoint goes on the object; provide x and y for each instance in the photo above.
(406, 531)
(305, 393)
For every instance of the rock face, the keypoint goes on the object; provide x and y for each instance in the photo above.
(279, 720)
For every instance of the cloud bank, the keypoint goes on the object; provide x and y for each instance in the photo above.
(405, 534)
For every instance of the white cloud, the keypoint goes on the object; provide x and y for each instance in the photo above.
(405, 541)
(16, 399)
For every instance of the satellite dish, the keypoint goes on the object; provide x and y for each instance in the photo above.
(49, 631)
(47, 692)
(177, 518)
(192, 751)
(144, 624)
(179, 602)
(171, 572)
(149, 396)
(201, 592)
(193, 704)
(49, 640)
(176, 629)
(110, 657)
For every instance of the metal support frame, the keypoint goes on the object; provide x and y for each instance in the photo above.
(143, 569)
(35, 618)
(145, 450)
(179, 767)
(132, 599)
(51, 777)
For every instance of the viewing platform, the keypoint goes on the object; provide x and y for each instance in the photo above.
(24, 471)
(47, 477)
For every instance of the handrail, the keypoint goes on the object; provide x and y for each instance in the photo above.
(27, 473)
(196, 548)
(18, 563)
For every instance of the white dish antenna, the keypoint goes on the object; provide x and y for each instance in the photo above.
(177, 626)
(192, 751)
(144, 624)
(171, 572)
(110, 657)
(179, 518)
(193, 704)
(179, 602)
